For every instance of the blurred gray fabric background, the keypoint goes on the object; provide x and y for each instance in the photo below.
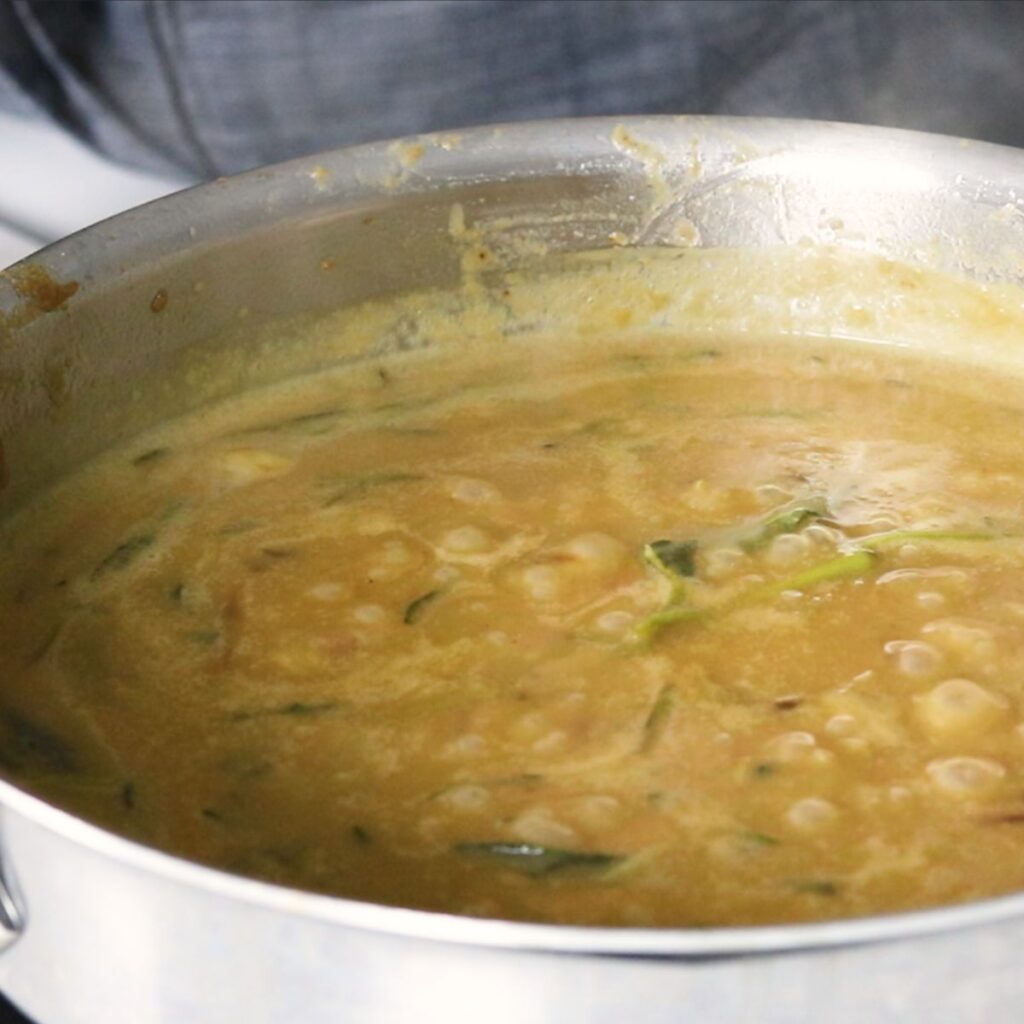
(215, 86)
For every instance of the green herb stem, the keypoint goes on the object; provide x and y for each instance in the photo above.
(649, 627)
(881, 541)
(657, 718)
(539, 861)
(852, 563)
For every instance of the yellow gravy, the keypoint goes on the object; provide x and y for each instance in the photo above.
(654, 634)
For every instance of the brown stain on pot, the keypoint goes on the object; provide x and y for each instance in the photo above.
(159, 301)
(32, 281)
(41, 292)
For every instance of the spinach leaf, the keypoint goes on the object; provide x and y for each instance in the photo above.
(32, 747)
(356, 487)
(786, 520)
(360, 836)
(153, 455)
(297, 709)
(672, 558)
(674, 561)
(815, 886)
(310, 422)
(539, 861)
(760, 839)
(414, 611)
(123, 555)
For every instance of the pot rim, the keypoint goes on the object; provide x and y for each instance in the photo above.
(210, 212)
(372, 172)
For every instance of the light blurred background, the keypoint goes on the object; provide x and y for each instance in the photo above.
(51, 185)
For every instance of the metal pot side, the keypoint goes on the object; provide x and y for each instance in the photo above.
(96, 334)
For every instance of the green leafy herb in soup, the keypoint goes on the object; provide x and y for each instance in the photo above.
(598, 639)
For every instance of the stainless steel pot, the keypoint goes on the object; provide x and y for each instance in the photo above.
(101, 335)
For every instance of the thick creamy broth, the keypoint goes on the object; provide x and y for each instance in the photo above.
(651, 634)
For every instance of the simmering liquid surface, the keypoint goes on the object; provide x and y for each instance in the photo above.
(655, 635)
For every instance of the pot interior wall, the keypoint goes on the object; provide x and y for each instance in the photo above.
(209, 292)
